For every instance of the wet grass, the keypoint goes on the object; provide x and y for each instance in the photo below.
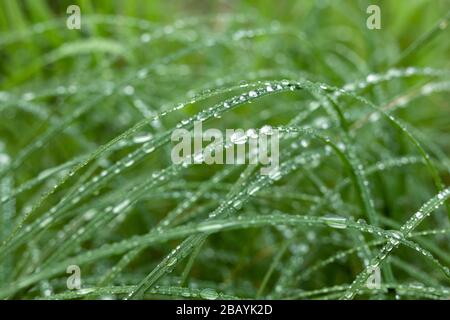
(86, 176)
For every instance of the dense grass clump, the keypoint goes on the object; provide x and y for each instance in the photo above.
(358, 208)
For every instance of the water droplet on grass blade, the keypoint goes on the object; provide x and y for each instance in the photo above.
(142, 73)
(4, 159)
(253, 94)
(128, 90)
(209, 294)
(28, 96)
(237, 204)
(304, 143)
(142, 138)
(148, 148)
(86, 291)
(145, 37)
(371, 78)
(129, 163)
(121, 206)
(75, 200)
(253, 189)
(375, 116)
(172, 261)
(336, 222)
(396, 237)
(275, 174)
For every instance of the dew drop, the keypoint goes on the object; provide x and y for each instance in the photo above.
(128, 90)
(304, 143)
(322, 123)
(209, 294)
(129, 163)
(374, 117)
(145, 37)
(243, 84)
(86, 291)
(142, 73)
(148, 148)
(336, 222)
(142, 138)
(4, 159)
(46, 222)
(237, 204)
(371, 78)
(121, 206)
(396, 237)
(172, 261)
(75, 200)
(275, 174)
(253, 190)
(341, 146)
(28, 96)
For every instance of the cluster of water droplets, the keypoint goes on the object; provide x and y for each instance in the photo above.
(376, 78)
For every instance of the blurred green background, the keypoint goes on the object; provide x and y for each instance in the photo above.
(325, 23)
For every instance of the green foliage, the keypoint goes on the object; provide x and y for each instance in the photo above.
(86, 176)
